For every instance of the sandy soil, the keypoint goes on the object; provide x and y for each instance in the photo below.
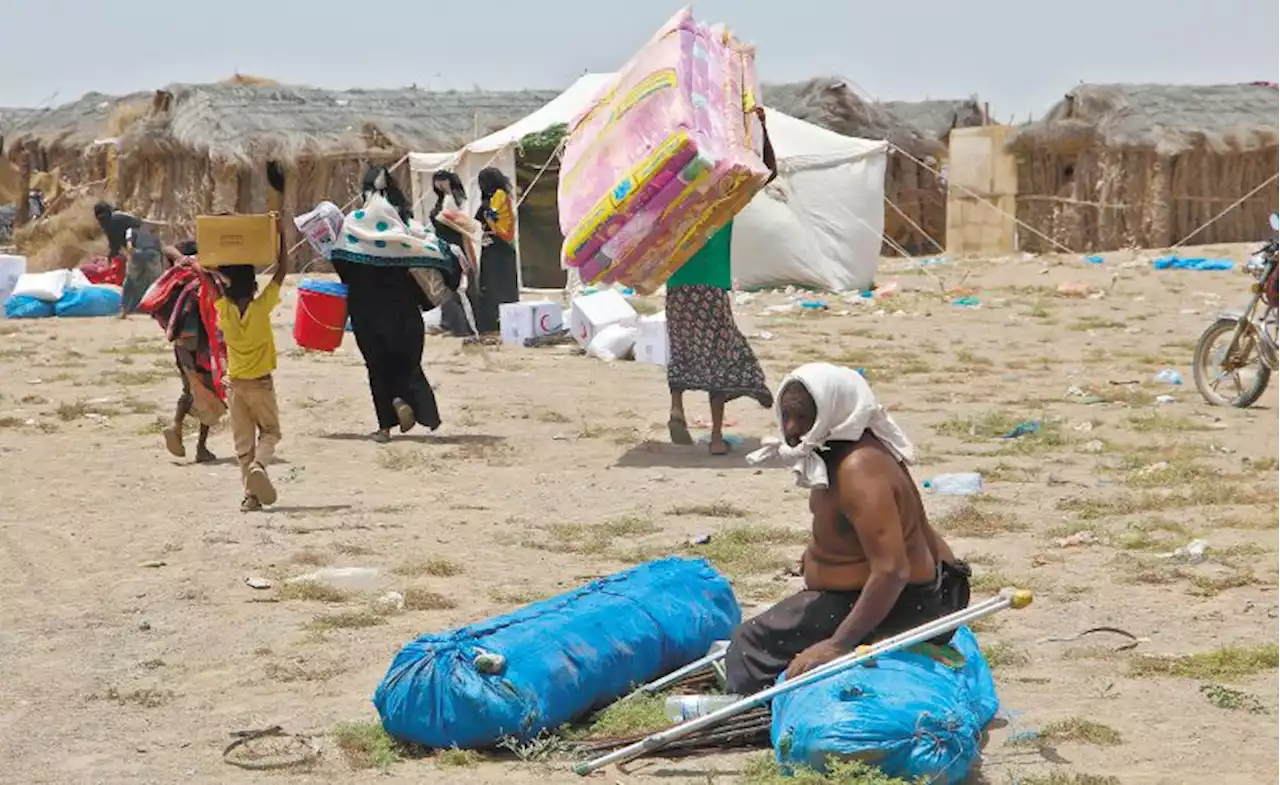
(130, 645)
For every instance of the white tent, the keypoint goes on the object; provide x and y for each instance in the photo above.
(819, 224)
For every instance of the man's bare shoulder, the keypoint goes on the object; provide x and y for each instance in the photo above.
(869, 460)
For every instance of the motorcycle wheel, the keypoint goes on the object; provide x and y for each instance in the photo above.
(1211, 378)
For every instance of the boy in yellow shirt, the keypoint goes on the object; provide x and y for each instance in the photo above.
(245, 321)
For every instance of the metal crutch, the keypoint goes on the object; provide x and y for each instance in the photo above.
(657, 685)
(1008, 598)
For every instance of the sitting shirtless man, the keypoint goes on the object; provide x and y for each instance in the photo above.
(873, 567)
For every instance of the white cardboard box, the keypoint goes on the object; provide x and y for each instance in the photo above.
(518, 321)
(592, 313)
(11, 269)
(651, 346)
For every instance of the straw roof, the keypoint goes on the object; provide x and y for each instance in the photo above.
(1169, 118)
(253, 123)
(936, 118)
(829, 102)
(69, 127)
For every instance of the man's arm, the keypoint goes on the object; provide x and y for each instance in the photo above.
(770, 160)
(282, 258)
(868, 501)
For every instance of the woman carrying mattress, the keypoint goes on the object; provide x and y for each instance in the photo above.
(706, 349)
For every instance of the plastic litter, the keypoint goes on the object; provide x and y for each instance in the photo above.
(1193, 552)
(1196, 263)
(689, 707)
(1169, 376)
(967, 302)
(959, 484)
(1095, 259)
(362, 579)
(1025, 428)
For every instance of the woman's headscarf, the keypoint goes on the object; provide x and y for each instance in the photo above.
(378, 180)
(492, 180)
(846, 409)
(454, 188)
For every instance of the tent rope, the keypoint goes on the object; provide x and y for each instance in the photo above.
(914, 225)
(982, 200)
(1232, 206)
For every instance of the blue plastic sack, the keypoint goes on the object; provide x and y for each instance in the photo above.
(321, 286)
(20, 306)
(911, 715)
(564, 656)
(88, 301)
(1198, 263)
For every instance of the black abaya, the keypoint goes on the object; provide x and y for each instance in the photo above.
(385, 306)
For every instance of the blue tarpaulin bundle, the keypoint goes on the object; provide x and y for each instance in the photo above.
(916, 713)
(563, 656)
(20, 306)
(88, 301)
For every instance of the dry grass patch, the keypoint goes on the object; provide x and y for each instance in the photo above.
(435, 566)
(742, 550)
(717, 510)
(1068, 778)
(1002, 654)
(1086, 323)
(550, 416)
(365, 745)
(347, 620)
(970, 520)
(299, 670)
(517, 597)
(1232, 700)
(1007, 472)
(1226, 663)
(401, 460)
(417, 598)
(312, 591)
(762, 769)
(455, 758)
(641, 714)
(1159, 422)
(311, 557)
(1079, 730)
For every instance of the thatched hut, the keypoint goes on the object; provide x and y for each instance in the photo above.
(920, 195)
(229, 146)
(1113, 166)
(937, 118)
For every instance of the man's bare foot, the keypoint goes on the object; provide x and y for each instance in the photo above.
(259, 485)
(173, 442)
(678, 430)
(404, 413)
(250, 504)
(204, 456)
(381, 437)
(719, 446)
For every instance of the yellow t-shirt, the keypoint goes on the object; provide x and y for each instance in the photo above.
(251, 348)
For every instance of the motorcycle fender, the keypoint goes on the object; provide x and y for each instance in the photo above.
(1233, 316)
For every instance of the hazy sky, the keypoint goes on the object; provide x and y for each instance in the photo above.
(1019, 55)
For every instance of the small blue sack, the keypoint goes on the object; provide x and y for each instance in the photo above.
(20, 306)
(321, 286)
(563, 656)
(88, 301)
(912, 715)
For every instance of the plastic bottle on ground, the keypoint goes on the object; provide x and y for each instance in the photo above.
(681, 708)
(961, 484)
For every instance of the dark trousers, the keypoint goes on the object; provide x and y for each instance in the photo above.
(391, 343)
(763, 647)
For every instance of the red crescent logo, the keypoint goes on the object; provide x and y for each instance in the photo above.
(582, 332)
(545, 323)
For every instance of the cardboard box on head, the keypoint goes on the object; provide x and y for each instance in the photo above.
(226, 240)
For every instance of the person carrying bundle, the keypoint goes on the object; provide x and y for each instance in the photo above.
(244, 316)
(874, 566)
(394, 270)
(707, 350)
(182, 300)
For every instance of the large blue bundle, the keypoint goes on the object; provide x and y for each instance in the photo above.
(913, 715)
(564, 656)
(88, 301)
(20, 306)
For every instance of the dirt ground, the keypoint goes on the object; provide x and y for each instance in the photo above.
(131, 646)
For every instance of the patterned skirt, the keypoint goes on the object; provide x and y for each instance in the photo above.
(706, 351)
